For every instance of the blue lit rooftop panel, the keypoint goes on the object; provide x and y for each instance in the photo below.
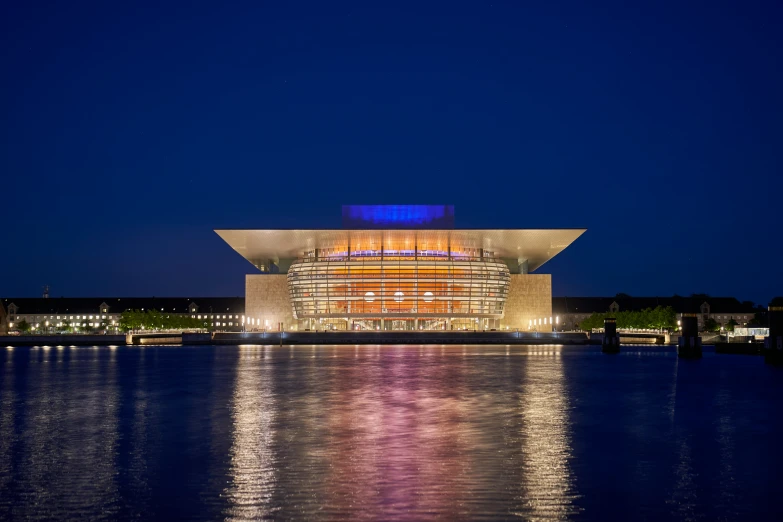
(398, 217)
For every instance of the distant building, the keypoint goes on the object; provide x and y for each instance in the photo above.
(223, 313)
(573, 310)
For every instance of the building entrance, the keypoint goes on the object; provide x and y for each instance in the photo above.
(400, 324)
(397, 324)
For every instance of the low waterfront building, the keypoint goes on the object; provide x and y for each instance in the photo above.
(744, 334)
(399, 267)
(82, 313)
(571, 311)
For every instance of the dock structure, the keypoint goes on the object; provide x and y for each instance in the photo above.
(773, 344)
(689, 343)
(611, 339)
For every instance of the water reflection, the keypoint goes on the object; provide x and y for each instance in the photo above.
(384, 433)
(549, 491)
(355, 420)
(8, 436)
(143, 411)
(400, 434)
(725, 428)
(394, 440)
(252, 471)
(70, 434)
(684, 497)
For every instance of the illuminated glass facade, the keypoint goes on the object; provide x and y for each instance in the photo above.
(395, 286)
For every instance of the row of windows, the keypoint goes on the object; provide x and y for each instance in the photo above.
(398, 265)
(398, 295)
(96, 325)
(109, 317)
(66, 317)
(397, 252)
(439, 309)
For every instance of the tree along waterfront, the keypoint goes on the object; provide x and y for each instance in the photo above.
(659, 318)
(133, 320)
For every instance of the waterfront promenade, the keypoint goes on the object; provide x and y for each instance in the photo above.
(332, 337)
(287, 338)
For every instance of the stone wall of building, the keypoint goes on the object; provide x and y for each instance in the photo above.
(529, 299)
(266, 300)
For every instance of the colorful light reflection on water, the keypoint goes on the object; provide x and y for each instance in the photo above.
(386, 433)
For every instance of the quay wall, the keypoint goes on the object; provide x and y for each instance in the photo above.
(626, 338)
(90, 340)
(61, 340)
(393, 337)
(165, 339)
(237, 338)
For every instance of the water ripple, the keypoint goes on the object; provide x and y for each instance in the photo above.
(385, 433)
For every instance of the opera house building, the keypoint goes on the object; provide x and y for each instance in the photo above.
(398, 267)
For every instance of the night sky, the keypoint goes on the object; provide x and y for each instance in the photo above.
(131, 131)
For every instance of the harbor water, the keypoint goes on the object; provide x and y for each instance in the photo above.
(387, 433)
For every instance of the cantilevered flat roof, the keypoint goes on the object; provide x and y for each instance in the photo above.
(536, 245)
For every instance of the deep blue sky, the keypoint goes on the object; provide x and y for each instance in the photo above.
(129, 132)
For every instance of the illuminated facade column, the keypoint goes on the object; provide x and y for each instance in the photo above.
(529, 300)
(267, 298)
